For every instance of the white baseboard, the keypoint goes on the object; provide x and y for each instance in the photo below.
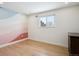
(7, 44)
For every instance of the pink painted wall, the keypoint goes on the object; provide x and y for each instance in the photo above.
(11, 28)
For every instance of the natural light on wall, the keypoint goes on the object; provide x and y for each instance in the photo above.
(1, 2)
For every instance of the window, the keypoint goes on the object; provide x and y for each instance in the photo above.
(47, 21)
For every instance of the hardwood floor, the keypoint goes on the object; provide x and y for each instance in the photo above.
(33, 48)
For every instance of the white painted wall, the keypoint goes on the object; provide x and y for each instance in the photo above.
(67, 20)
(5, 13)
(11, 27)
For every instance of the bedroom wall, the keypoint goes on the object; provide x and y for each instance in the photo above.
(67, 20)
(13, 26)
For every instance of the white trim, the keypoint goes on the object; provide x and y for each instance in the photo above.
(7, 44)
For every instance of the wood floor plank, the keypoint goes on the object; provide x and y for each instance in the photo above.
(33, 48)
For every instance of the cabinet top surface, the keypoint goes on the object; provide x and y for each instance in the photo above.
(73, 34)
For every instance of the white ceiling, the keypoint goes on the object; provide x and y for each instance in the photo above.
(35, 7)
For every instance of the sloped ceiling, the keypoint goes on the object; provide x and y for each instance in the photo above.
(35, 7)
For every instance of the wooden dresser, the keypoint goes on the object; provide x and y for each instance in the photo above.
(73, 44)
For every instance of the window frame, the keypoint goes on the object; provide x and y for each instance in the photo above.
(52, 26)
